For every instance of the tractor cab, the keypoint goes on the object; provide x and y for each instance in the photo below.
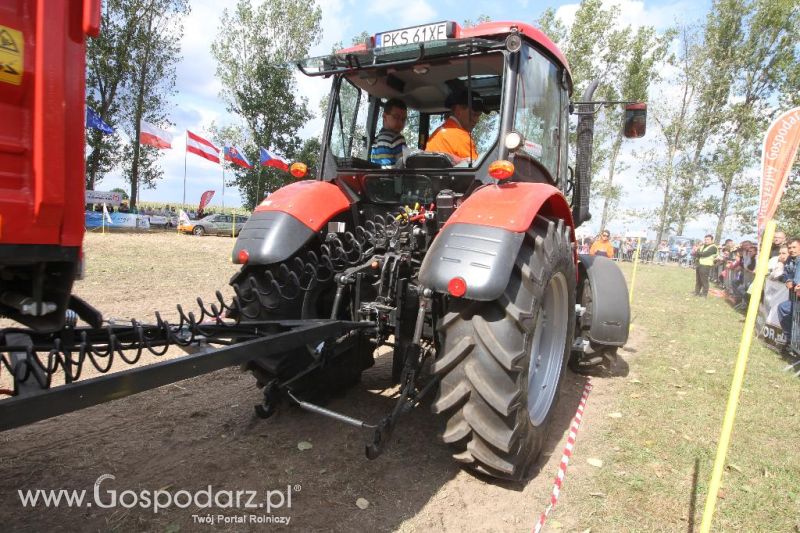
(516, 75)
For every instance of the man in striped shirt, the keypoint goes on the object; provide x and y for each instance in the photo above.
(388, 146)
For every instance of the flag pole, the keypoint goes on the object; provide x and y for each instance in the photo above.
(186, 142)
(258, 186)
(104, 219)
(223, 184)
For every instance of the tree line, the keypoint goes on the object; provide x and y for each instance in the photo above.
(712, 88)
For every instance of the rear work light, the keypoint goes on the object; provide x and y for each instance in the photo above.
(457, 287)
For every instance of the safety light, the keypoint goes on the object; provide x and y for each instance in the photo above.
(501, 169)
(243, 257)
(457, 287)
(298, 170)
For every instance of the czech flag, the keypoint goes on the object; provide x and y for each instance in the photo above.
(202, 147)
(235, 156)
(271, 159)
(154, 136)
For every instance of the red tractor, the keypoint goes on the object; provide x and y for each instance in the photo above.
(466, 268)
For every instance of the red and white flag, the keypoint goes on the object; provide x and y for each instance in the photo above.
(154, 136)
(777, 157)
(199, 146)
(205, 198)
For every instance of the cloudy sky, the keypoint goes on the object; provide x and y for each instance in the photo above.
(197, 102)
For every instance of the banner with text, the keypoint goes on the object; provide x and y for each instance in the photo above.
(777, 157)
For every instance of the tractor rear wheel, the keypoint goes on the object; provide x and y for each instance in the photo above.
(317, 302)
(503, 361)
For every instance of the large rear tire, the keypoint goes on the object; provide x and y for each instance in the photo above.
(343, 373)
(503, 361)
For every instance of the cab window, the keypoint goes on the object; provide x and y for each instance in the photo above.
(538, 109)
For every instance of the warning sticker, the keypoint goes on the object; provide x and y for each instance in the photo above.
(12, 50)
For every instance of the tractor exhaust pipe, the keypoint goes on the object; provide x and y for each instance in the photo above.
(583, 157)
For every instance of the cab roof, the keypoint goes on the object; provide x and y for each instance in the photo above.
(497, 30)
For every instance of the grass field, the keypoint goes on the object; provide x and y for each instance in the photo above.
(655, 427)
(657, 456)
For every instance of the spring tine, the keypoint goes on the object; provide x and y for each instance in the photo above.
(258, 294)
(184, 320)
(221, 300)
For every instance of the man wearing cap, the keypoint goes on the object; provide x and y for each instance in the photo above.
(453, 137)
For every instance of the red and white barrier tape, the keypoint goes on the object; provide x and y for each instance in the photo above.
(562, 467)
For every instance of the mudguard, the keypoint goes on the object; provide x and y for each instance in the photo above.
(480, 241)
(481, 255)
(285, 221)
(611, 312)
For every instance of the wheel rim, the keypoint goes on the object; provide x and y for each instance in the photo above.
(547, 349)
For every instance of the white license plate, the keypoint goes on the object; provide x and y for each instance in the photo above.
(417, 34)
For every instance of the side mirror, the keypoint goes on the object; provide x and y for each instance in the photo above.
(635, 121)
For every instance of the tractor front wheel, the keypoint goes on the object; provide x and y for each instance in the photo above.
(503, 361)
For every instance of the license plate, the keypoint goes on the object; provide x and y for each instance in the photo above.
(416, 34)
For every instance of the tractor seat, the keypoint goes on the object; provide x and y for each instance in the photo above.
(429, 160)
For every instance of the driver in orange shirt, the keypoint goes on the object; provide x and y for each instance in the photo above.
(453, 137)
(602, 246)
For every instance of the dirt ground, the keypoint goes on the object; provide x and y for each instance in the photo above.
(203, 432)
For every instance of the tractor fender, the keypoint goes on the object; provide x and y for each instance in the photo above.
(611, 312)
(481, 240)
(287, 219)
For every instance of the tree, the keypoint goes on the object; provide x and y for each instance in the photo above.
(756, 46)
(254, 49)
(624, 62)
(108, 72)
(672, 116)
(646, 51)
(155, 53)
(122, 192)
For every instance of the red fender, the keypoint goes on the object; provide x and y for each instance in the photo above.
(512, 206)
(313, 203)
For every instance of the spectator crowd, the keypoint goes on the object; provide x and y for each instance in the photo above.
(730, 266)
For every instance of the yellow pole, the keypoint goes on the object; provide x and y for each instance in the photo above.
(738, 377)
(635, 265)
(104, 219)
(233, 227)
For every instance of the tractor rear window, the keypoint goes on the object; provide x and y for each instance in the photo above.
(402, 190)
(429, 90)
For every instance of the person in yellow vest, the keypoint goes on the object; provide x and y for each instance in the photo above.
(705, 255)
(602, 246)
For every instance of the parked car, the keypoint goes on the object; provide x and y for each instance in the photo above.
(218, 224)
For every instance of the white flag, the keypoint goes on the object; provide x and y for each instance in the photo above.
(183, 218)
(106, 215)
